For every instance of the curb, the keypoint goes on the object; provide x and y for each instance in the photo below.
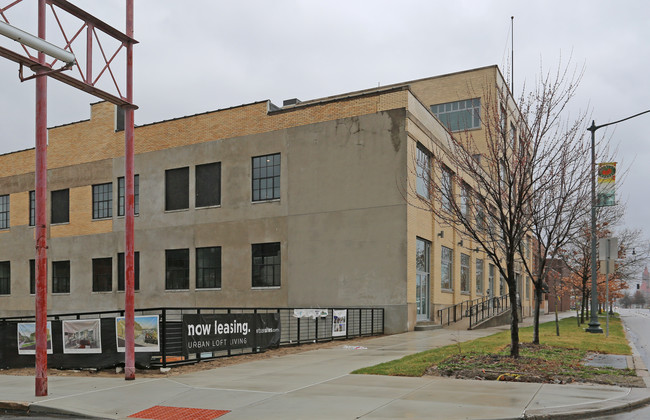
(16, 406)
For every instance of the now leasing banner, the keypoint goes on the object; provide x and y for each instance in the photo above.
(210, 332)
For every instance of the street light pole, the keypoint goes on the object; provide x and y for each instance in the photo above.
(594, 325)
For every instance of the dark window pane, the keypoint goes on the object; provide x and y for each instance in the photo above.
(32, 208)
(177, 188)
(102, 274)
(121, 275)
(177, 269)
(5, 278)
(121, 195)
(32, 277)
(208, 268)
(208, 184)
(61, 277)
(4, 211)
(266, 264)
(102, 201)
(60, 206)
(266, 177)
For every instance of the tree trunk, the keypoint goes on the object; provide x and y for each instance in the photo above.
(557, 319)
(538, 299)
(514, 321)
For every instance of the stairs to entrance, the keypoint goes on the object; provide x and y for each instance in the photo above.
(427, 326)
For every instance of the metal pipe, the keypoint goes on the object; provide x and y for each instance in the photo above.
(41, 218)
(129, 127)
(38, 43)
(594, 325)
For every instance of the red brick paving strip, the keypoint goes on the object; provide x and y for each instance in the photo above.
(160, 412)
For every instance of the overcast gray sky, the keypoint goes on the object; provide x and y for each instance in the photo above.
(202, 55)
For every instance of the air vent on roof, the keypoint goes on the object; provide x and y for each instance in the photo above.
(287, 102)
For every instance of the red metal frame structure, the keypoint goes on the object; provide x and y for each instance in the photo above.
(87, 83)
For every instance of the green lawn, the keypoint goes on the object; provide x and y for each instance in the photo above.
(571, 346)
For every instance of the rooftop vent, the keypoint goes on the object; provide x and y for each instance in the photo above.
(287, 102)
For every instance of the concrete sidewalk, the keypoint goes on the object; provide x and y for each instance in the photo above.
(317, 385)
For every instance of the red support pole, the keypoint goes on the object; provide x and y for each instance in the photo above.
(129, 347)
(41, 218)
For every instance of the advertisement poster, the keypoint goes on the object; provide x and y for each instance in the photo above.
(340, 323)
(82, 336)
(146, 333)
(27, 338)
(215, 332)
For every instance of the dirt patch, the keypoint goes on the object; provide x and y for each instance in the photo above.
(183, 369)
(533, 368)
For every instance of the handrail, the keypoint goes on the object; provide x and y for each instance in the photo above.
(488, 309)
(459, 310)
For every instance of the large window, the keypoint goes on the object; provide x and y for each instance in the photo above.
(121, 274)
(266, 177)
(32, 208)
(447, 189)
(4, 211)
(464, 273)
(103, 201)
(447, 268)
(102, 274)
(208, 185)
(465, 199)
(513, 135)
(5, 278)
(60, 206)
(177, 188)
(266, 265)
(491, 280)
(60, 276)
(423, 271)
(177, 269)
(480, 214)
(479, 276)
(121, 195)
(423, 171)
(459, 115)
(208, 268)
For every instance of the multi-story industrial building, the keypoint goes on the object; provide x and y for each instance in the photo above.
(299, 206)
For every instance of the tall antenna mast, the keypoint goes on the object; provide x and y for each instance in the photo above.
(512, 51)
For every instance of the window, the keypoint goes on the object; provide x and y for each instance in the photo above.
(527, 286)
(32, 277)
(423, 171)
(177, 269)
(422, 267)
(447, 190)
(177, 188)
(60, 276)
(459, 115)
(121, 195)
(208, 184)
(447, 269)
(4, 211)
(464, 273)
(503, 121)
(120, 271)
(119, 118)
(502, 286)
(266, 177)
(266, 265)
(465, 199)
(32, 208)
(479, 276)
(513, 135)
(5, 278)
(480, 214)
(491, 279)
(103, 201)
(102, 274)
(208, 268)
(60, 206)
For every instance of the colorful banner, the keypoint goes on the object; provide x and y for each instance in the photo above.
(606, 193)
(215, 332)
(27, 337)
(340, 323)
(82, 336)
(145, 331)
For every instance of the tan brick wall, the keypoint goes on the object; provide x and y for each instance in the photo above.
(19, 212)
(81, 213)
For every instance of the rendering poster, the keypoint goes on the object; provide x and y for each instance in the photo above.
(146, 333)
(82, 336)
(339, 323)
(27, 338)
(215, 332)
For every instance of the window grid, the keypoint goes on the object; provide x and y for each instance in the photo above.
(423, 171)
(121, 195)
(464, 273)
(102, 274)
(60, 206)
(4, 211)
(266, 177)
(177, 269)
(459, 115)
(266, 265)
(32, 208)
(479, 276)
(177, 188)
(465, 199)
(446, 266)
(121, 275)
(5, 278)
(208, 268)
(447, 190)
(208, 184)
(491, 279)
(103, 201)
(60, 276)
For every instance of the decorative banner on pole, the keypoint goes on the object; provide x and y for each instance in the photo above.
(606, 195)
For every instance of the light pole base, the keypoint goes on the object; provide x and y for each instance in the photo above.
(594, 328)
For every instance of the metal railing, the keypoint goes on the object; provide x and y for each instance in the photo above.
(488, 309)
(455, 313)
